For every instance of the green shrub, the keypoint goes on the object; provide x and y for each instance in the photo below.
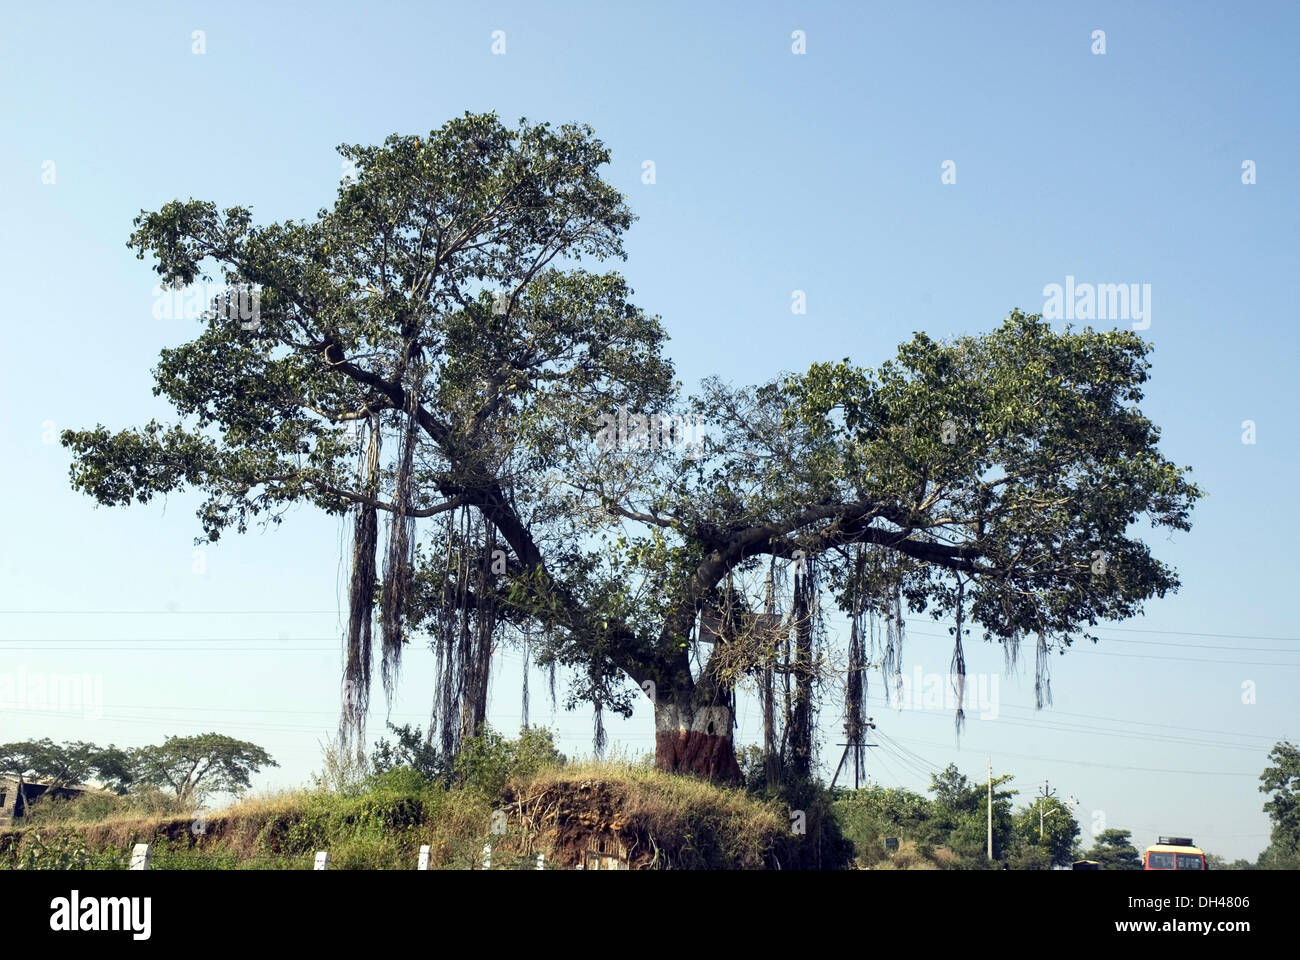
(399, 780)
(487, 762)
(95, 807)
(410, 749)
(65, 851)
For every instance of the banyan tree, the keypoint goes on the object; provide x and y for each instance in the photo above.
(438, 360)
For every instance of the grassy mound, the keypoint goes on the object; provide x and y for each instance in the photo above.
(647, 819)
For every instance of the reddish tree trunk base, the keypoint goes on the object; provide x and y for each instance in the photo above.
(695, 740)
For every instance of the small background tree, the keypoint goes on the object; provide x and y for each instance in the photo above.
(196, 766)
(1282, 780)
(1060, 831)
(1114, 850)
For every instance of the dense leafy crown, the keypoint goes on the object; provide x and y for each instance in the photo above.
(446, 306)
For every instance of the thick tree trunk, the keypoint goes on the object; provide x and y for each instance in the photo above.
(695, 738)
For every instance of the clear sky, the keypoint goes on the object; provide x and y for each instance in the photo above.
(774, 172)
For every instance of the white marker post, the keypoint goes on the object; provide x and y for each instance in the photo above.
(322, 860)
(424, 858)
(140, 855)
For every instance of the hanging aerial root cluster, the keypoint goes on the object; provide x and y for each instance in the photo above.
(1042, 674)
(463, 610)
(959, 658)
(400, 555)
(855, 684)
(361, 599)
(800, 718)
(891, 661)
(465, 624)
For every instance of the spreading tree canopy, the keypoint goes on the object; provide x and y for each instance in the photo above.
(438, 350)
(67, 764)
(1282, 782)
(202, 764)
(1114, 850)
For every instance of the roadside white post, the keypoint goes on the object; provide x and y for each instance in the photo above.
(140, 855)
(487, 856)
(424, 858)
(541, 861)
(322, 860)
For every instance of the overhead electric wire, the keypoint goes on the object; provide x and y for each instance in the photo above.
(1108, 766)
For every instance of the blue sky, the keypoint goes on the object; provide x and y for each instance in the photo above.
(775, 172)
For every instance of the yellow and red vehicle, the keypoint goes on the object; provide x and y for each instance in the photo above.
(1174, 853)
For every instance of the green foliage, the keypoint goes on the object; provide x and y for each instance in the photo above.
(91, 807)
(440, 290)
(483, 763)
(961, 809)
(68, 764)
(1037, 455)
(412, 750)
(196, 766)
(1215, 862)
(189, 766)
(382, 826)
(399, 780)
(1114, 850)
(1282, 780)
(533, 751)
(753, 772)
(444, 286)
(64, 851)
(1059, 830)
(953, 792)
(488, 761)
(1028, 854)
(690, 823)
(955, 820)
(868, 815)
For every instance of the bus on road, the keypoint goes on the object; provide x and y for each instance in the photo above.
(1174, 853)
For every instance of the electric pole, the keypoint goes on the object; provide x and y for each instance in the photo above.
(990, 806)
(1047, 794)
(853, 743)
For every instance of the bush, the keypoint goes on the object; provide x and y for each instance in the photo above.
(97, 807)
(487, 762)
(1028, 856)
(342, 772)
(869, 815)
(399, 780)
(534, 751)
(410, 749)
(66, 851)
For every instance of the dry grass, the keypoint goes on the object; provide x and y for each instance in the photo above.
(665, 821)
(913, 856)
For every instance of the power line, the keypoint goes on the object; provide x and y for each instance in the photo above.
(1235, 663)
(1199, 646)
(1176, 633)
(923, 620)
(1046, 718)
(59, 645)
(1109, 766)
(910, 765)
(930, 768)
